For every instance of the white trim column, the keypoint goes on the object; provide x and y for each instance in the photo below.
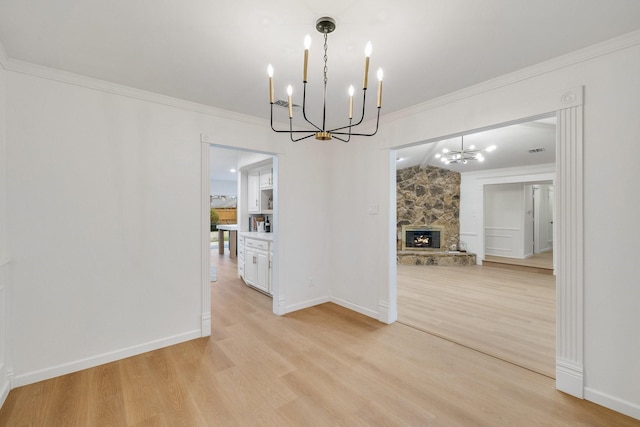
(205, 230)
(570, 256)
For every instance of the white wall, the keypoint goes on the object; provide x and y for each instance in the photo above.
(303, 234)
(359, 222)
(104, 212)
(612, 93)
(472, 187)
(504, 218)
(543, 212)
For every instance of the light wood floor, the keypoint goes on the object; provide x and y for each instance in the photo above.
(504, 313)
(323, 366)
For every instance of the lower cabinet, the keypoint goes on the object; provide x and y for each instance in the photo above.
(256, 270)
(240, 255)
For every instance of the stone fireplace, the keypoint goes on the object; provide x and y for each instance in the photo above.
(422, 238)
(428, 217)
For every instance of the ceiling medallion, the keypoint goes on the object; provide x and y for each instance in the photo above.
(325, 26)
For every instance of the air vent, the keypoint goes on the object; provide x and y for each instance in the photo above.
(536, 150)
(284, 104)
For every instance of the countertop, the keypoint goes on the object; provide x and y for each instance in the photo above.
(227, 227)
(256, 235)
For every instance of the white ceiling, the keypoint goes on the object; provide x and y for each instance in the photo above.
(512, 143)
(216, 53)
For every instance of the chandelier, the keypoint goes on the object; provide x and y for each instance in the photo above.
(322, 132)
(463, 155)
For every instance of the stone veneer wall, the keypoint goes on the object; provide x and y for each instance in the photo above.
(429, 196)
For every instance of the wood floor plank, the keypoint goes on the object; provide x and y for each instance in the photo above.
(505, 313)
(323, 366)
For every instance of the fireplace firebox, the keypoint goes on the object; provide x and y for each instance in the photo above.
(416, 238)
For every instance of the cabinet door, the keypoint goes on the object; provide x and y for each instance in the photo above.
(263, 271)
(250, 266)
(266, 179)
(253, 193)
(270, 273)
(241, 256)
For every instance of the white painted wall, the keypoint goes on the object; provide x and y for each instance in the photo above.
(504, 218)
(472, 188)
(302, 233)
(543, 213)
(359, 218)
(612, 90)
(104, 208)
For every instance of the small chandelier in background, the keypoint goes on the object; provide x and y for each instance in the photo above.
(463, 155)
(325, 26)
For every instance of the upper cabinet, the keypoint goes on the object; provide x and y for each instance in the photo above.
(260, 190)
(266, 178)
(253, 192)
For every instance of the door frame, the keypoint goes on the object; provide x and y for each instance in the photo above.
(568, 237)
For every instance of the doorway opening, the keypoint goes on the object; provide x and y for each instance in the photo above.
(224, 191)
(509, 314)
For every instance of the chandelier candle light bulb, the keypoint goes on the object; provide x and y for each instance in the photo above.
(307, 45)
(380, 74)
(289, 93)
(351, 92)
(270, 73)
(367, 55)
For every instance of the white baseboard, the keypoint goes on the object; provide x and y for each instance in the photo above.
(305, 304)
(384, 314)
(355, 307)
(613, 403)
(90, 362)
(205, 325)
(4, 390)
(570, 378)
(338, 301)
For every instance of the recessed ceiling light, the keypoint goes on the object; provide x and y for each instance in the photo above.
(399, 159)
(232, 170)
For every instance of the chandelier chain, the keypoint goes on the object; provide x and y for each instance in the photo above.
(325, 58)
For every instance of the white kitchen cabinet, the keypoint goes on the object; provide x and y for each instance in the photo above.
(266, 178)
(240, 255)
(257, 266)
(253, 192)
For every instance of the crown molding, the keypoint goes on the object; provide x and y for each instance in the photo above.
(543, 168)
(122, 90)
(591, 52)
